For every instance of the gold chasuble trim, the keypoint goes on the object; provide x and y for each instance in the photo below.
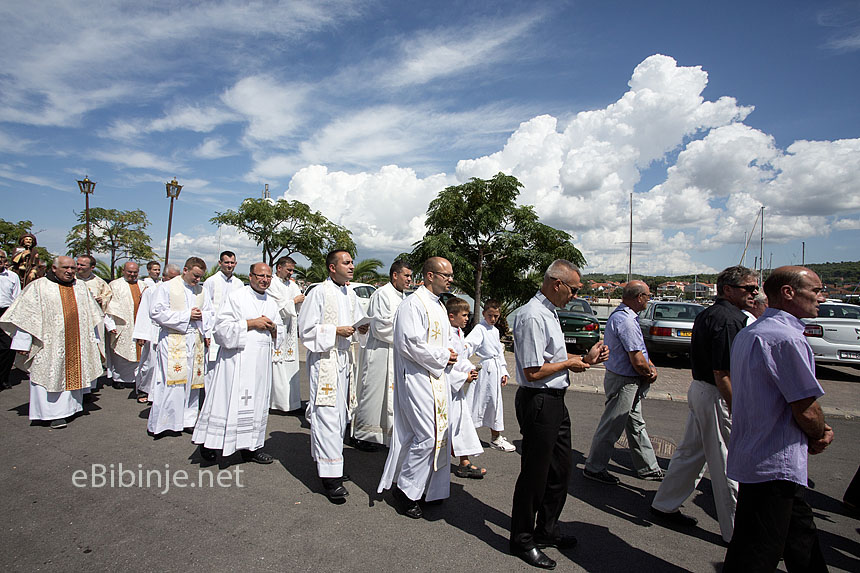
(72, 337)
(135, 297)
(177, 351)
(440, 390)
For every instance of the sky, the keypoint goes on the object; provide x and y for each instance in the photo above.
(704, 111)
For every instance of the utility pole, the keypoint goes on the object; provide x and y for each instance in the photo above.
(803, 254)
(761, 251)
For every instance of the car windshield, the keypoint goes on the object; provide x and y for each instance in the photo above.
(578, 305)
(683, 312)
(838, 311)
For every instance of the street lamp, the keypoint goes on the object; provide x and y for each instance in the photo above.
(87, 188)
(173, 189)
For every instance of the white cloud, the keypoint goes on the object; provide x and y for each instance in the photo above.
(213, 148)
(272, 109)
(846, 225)
(135, 159)
(16, 177)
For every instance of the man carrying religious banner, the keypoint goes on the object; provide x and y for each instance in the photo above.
(418, 459)
(327, 324)
(286, 391)
(119, 322)
(54, 322)
(373, 420)
(236, 408)
(182, 311)
(146, 337)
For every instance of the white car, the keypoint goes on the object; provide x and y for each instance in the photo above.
(835, 334)
(362, 291)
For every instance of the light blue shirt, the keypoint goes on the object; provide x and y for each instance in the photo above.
(623, 335)
(538, 339)
(772, 366)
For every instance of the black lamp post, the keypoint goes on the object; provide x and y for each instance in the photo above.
(87, 188)
(173, 189)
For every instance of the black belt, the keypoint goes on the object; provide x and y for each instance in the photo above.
(550, 391)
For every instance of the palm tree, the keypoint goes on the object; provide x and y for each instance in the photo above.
(315, 273)
(365, 271)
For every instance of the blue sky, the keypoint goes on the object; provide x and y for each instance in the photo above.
(365, 110)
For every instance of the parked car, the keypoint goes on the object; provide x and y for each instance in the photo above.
(834, 335)
(362, 291)
(579, 325)
(668, 326)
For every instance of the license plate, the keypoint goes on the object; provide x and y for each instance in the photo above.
(849, 354)
(684, 333)
(569, 339)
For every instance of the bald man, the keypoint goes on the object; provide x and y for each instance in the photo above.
(629, 374)
(119, 322)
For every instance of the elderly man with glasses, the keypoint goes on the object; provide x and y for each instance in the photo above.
(709, 423)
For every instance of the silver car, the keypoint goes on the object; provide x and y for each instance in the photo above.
(668, 326)
(835, 334)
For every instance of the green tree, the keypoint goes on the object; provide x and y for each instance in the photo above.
(120, 234)
(497, 248)
(284, 228)
(10, 233)
(313, 273)
(366, 271)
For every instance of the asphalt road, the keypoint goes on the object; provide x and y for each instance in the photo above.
(274, 517)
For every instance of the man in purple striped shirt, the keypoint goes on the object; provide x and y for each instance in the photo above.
(777, 422)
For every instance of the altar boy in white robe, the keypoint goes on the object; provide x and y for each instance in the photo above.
(417, 461)
(374, 417)
(327, 327)
(286, 387)
(182, 311)
(217, 287)
(236, 408)
(146, 337)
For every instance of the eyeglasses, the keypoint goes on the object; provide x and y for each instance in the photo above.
(752, 289)
(259, 276)
(449, 276)
(573, 290)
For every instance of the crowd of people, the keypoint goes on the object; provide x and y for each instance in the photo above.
(215, 358)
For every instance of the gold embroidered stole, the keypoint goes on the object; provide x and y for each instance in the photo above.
(177, 351)
(72, 336)
(327, 378)
(135, 299)
(440, 389)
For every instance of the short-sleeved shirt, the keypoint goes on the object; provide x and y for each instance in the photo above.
(538, 339)
(772, 366)
(713, 332)
(623, 335)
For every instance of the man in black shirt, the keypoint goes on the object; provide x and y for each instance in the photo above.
(709, 423)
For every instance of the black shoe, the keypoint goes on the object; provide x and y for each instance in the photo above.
(653, 475)
(675, 517)
(257, 456)
(6, 385)
(58, 424)
(208, 454)
(409, 507)
(560, 542)
(602, 476)
(363, 445)
(118, 385)
(534, 557)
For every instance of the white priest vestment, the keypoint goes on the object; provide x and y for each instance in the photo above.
(236, 407)
(57, 324)
(286, 388)
(145, 329)
(180, 355)
(101, 292)
(464, 437)
(119, 315)
(419, 453)
(374, 415)
(217, 287)
(149, 282)
(330, 370)
(485, 394)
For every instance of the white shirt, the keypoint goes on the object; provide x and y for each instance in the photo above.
(10, 288)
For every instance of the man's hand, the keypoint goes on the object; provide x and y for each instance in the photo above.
(299, 299)
(574, 363)
(261, 323)
(206, 342)
(473, 375)
(113, 331)
(598, 353)
(345, 331)
(652, 376)
(23, 352)
(196, 314)
(453, 358)
(364, 328)
(140, 343)
(504, 380)
(819, 445)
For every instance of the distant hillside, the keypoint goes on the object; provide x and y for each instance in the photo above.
(831, 273)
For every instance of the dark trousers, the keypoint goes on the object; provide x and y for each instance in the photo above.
(852, 494)
(541, 488)
(7, 356)
(773, 520)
